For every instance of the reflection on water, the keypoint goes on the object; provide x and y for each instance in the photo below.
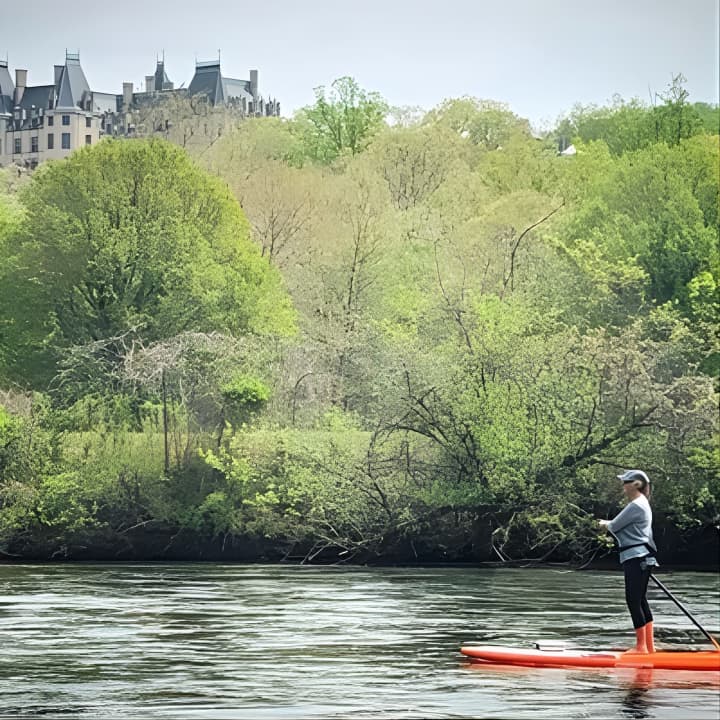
(635, 703)
(639, 684)
(230, 641)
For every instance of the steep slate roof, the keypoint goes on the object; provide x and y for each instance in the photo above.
(73, 83)
(207, 81)
(37, 95)
(7, 89)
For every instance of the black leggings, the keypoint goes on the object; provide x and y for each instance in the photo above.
(636, 582)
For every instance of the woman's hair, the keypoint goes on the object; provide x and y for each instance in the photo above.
(643, 486)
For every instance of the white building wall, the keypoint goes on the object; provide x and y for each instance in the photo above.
(77, 129)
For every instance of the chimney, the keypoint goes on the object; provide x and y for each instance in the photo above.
(58, 74)
(254, 84)
(149, 83)
(20, 83)
(127, 95)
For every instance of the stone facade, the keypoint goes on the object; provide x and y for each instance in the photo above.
(48, 122)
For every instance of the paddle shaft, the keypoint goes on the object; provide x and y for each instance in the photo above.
(686, 611)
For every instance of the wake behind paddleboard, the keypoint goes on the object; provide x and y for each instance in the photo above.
(662, 660)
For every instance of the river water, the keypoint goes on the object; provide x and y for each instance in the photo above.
(156, 640)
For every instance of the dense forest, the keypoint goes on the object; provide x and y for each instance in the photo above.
(363, 334)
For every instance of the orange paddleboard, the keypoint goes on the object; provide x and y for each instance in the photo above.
(662, 660)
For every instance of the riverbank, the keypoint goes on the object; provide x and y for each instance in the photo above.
(162, 545)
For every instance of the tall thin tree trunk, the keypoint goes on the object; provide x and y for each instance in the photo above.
(165, 424)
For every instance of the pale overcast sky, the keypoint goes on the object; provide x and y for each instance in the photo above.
(540, 56)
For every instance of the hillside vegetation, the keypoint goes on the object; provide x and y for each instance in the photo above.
(364, 334)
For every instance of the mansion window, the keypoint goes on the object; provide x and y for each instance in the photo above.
(65, 119)
(88, 122)
(88, 139)
(66, 141)
(51, 120)
(34, 143)
(18, 146)
(50, 141)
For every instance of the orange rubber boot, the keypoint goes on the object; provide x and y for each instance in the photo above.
(649, 637)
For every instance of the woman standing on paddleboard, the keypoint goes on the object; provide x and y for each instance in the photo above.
(632, 528)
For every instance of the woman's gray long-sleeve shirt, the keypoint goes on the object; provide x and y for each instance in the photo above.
(633, 526)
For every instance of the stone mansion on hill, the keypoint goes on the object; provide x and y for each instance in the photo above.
(46, 122)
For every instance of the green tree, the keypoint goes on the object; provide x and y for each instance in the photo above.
(128, 235)
(10, 218)
(247, 147)
(643, 213)
(709, 117)
(676, 119)
(627, 126)
(623, 126)
(342, 120)
(485, 123)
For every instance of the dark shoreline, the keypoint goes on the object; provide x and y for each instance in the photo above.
(481, 565)
(178, 546)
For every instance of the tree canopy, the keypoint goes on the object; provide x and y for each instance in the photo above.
(343, 119)
(132, 235)
(363, 334)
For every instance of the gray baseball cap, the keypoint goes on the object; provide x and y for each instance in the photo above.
(630, 475)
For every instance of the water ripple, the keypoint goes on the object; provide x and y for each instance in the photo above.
(227, 641)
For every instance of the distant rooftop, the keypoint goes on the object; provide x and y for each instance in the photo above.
(7, 89)
(210, 82)
(73, 83)
(38, 96)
